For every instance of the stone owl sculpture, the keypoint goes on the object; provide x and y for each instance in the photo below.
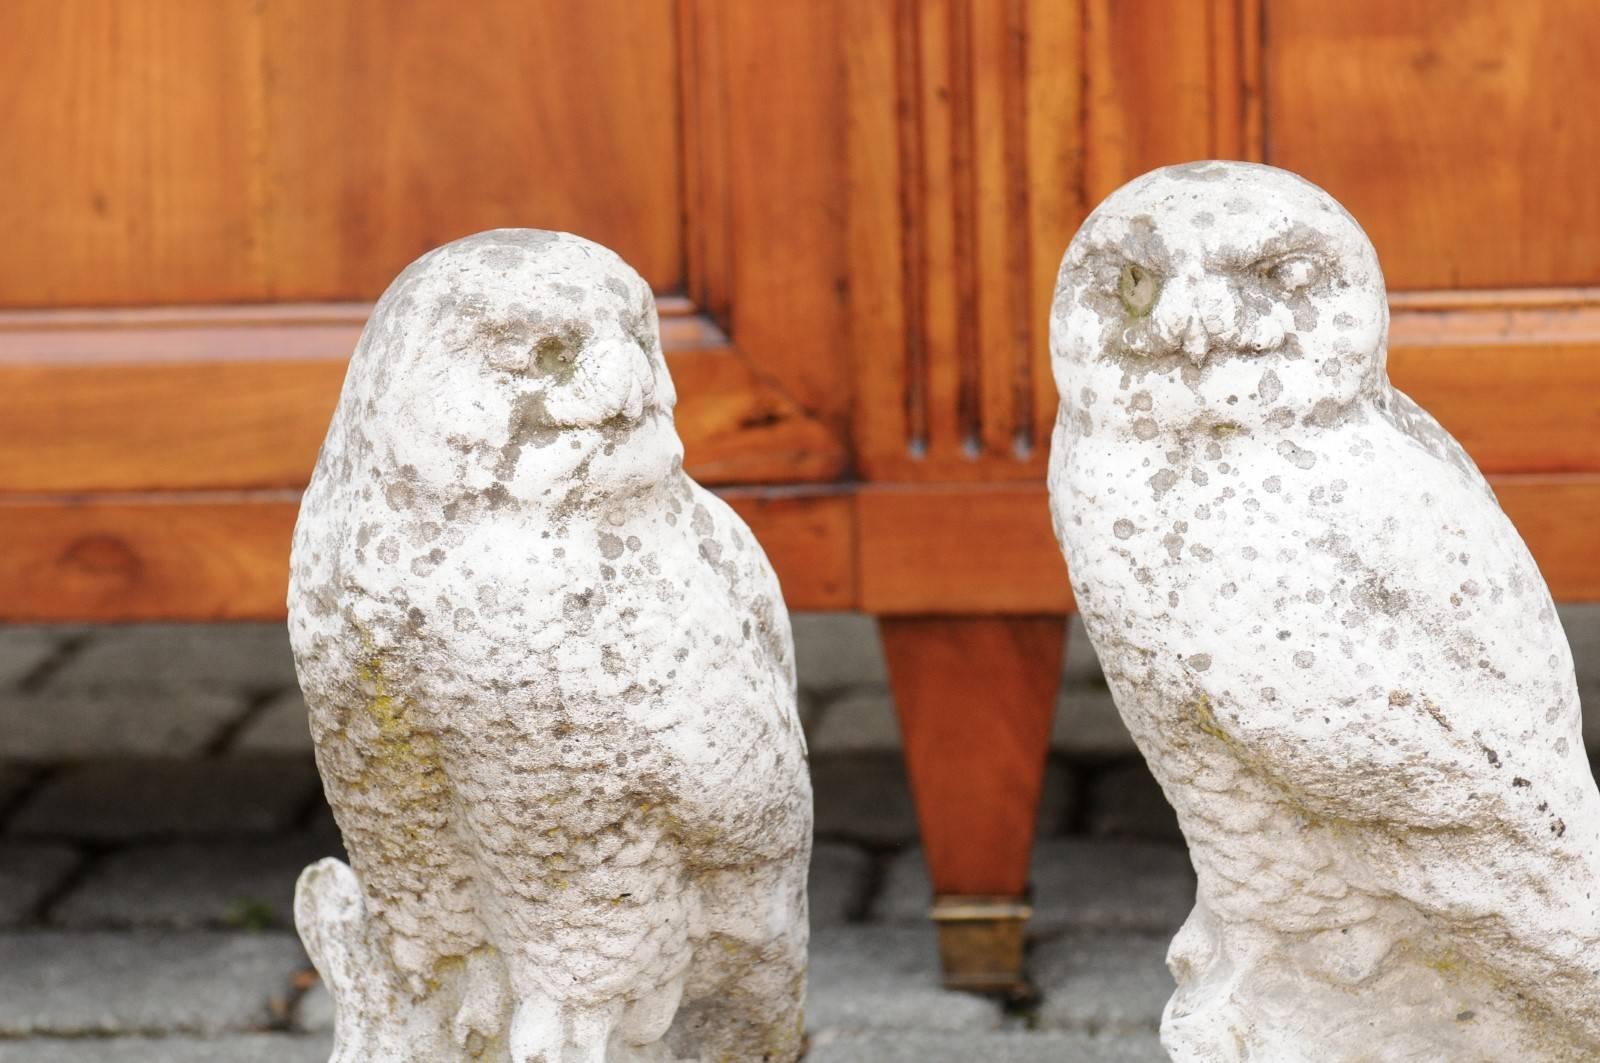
(1331, 646)
(551, 688)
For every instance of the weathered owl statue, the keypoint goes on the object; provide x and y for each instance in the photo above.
(1328, 641)
(551, 686)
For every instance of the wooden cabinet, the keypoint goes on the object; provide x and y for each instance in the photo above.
(851, 210)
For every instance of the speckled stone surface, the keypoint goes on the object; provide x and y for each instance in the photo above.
(1327, 640)
(551, 687)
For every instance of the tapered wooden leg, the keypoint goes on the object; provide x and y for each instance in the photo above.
(975, 696)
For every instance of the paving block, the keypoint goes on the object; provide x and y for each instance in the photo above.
(863, 797)
(279, 727)
(1102, 983)
(919, 1046)
(247, 1048)
(1125, 801)
(313, 1012)
(29, 872)
(838, 883)
(245, 885)
(252, 657)
(886, 978)
(130, 800)
(14, 778)
(1086, 723)
(1078, 883)
(60, 723)
(23, 649)
(1080, 667)
(837, 650)
(66, 984)
(857, 720)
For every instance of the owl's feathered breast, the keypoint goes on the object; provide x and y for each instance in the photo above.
(1345, 601)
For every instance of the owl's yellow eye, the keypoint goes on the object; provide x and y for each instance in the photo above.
(1292, 272)
(1138, 288)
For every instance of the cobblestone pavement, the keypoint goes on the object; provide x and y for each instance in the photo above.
(157, 800)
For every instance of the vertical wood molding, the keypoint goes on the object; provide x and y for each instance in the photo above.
(951, 360)
(707, 196)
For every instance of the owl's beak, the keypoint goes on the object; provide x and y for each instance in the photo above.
(1196, 342)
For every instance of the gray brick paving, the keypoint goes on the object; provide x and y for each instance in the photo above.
(87, 984)
(278, 727)
(1100, 983)
(132, 719)
(237, 656)
(864, 798)
(1077, 883)
(1126, 802)
(835, 650)
(879, 977)
(248, 1048)
(859, 720)
(838, 884)
(188, 885)
(24, 649)
(920, 1046)
(313, 1012)
(14, 778)
(30, 872)
(127, 800)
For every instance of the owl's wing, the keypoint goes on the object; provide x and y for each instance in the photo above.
(1419, 426)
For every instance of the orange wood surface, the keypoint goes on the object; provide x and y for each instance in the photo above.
(853, 212)
(975, 698)
(1459, 133)
(162, 152)
(220, 556)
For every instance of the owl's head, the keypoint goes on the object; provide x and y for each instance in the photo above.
(514, 355)
(1229, 292)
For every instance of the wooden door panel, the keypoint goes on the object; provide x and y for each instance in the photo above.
(161, 152)
(1459, 132)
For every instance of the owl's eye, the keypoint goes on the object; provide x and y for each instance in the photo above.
(1138, 288)
(1290, 273)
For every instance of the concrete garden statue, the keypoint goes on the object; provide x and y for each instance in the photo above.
(551, 686)
(1328, 641)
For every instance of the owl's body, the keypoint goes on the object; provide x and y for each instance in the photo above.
(551, 689)
(1328, 641)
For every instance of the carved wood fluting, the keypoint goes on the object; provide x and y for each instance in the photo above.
(962, 172)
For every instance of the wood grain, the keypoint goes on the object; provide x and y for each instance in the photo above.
(1457, 132)
(964, 189)
(975, 697)
(226, 556)
(162, 152)
(239, 398)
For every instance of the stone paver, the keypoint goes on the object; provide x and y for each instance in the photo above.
(134, 719)
(1126, 802)
(836, 650)
(1099, 983)
(863, 797)
(859, 720)
(247, 1048)
(186, 885)
(29, 872)
(126, 800)
(24, 649)
(1077, 883)
(14, 778)
(920, 1046)
(279, 727)
(839, 880)
(86, 984)
(313, 1012)
(1086, 724)
(251, 657)
(878, 977)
